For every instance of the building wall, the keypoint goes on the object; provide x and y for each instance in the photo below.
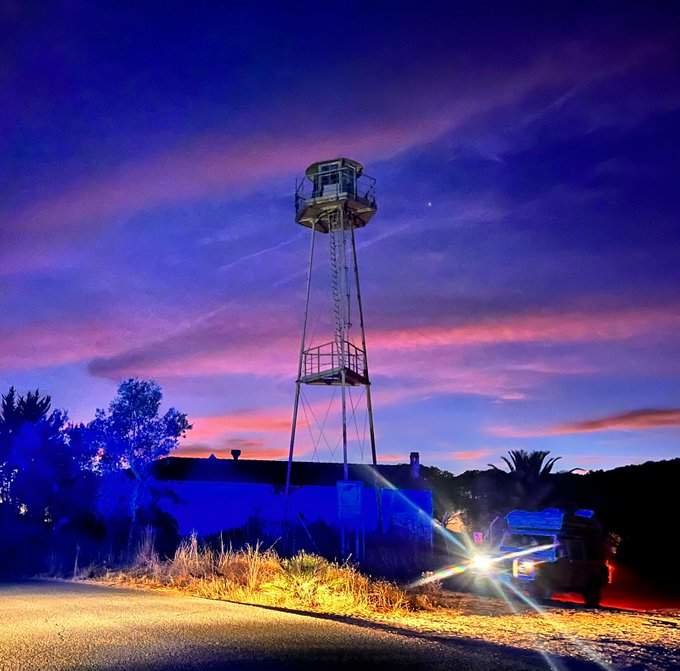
(211, 507)
(208, 507)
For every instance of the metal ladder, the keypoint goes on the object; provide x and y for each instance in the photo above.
(339, 283)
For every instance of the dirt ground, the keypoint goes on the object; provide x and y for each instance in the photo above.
(614, 638)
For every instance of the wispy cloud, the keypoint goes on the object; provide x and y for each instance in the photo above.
(63, 341)
(549, 327)
(221, 344)
(633, 420)
(222, 165)
(257, 421)
(250, 449)
(259, 252)
(469, 455)
(261, 341)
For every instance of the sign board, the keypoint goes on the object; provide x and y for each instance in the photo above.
(350, 497)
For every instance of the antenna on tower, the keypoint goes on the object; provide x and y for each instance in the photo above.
(335, 198)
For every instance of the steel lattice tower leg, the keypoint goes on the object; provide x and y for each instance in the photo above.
(369, 403)
(298, 381)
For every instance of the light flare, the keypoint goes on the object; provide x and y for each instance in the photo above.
(436, 525)
(473, 564)
(552, 664)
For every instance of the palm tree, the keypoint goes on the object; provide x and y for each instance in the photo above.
(529, 466)
(530, 474)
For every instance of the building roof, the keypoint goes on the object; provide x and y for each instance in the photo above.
(314, 167)
(274, 472)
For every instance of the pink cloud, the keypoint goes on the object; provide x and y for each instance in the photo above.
(224, 344)
(428, 361)
(59, 342)
(634, 420)
(250, 449)
(508, 431)
(548, 327)
(469, 455)
(236, 340)
(257, 421)
(393, 458)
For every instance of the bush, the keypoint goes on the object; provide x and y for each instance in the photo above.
(260, 576)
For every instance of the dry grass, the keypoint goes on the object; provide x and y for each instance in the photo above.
(260, 576)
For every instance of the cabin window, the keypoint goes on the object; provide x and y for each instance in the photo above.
(331, 178)
(329, 167)
(347, 182)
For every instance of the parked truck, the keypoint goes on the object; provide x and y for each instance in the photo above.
(550, 551)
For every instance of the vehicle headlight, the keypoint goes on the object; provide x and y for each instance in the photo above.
(527, 567)
(481, 563)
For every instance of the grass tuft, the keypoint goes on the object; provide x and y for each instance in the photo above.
(260, 576)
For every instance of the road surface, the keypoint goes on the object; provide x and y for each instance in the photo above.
(55, 625)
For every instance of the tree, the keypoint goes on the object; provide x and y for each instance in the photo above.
(44, 493)
(529, 466)
(132, 434)
(8, 426)
(530, 474)
(34, 458)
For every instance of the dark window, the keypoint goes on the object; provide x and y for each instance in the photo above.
(329, 179)
(347, 181)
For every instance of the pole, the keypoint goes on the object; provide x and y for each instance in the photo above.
(369, 403)
(302, 354)
(343, 363)
(345, 467)
(296, 404)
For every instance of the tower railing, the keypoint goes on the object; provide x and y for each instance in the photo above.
(330, 357)
(338, 185)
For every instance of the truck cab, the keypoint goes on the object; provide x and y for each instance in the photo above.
(550, 551)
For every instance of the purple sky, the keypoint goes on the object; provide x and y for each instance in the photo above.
(520, 279)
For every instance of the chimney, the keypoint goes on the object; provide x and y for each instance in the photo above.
(235, 454)
(415, 465)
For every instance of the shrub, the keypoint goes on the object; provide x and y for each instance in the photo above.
(256, 575)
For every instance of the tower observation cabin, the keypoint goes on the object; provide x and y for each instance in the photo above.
(333, 185)
(335, 198)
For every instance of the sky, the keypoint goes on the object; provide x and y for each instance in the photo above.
(520, 279)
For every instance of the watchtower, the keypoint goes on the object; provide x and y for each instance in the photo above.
(334, 198)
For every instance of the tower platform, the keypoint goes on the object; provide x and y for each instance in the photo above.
(324, 364)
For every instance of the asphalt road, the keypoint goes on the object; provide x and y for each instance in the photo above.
(50, 625)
